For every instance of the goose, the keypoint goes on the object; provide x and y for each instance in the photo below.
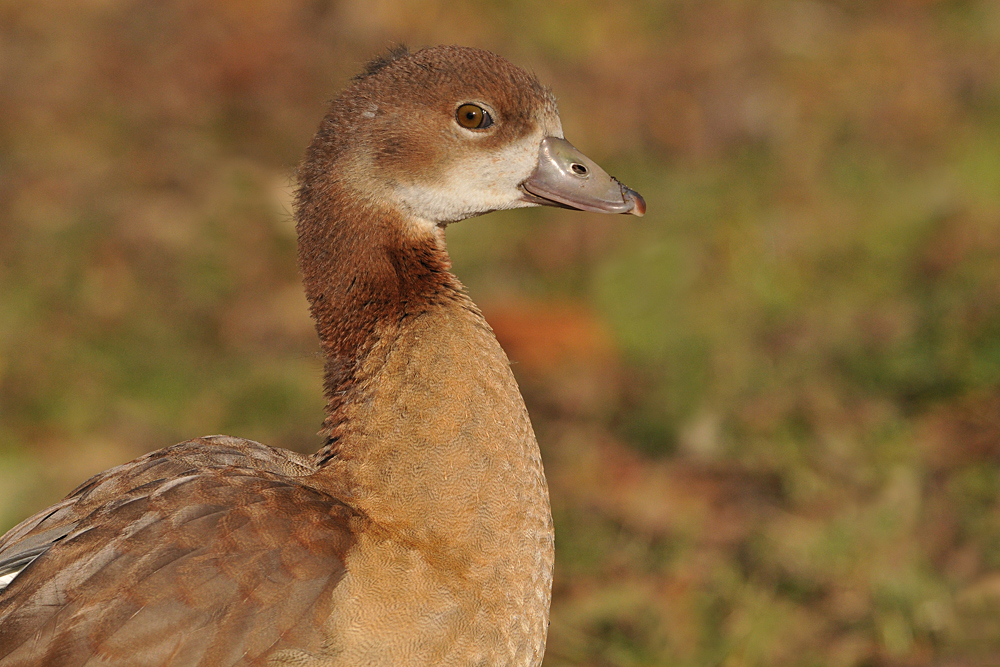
(420, 531)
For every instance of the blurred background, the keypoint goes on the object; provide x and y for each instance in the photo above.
(769, 410)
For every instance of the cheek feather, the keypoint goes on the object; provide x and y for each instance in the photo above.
(473, 184)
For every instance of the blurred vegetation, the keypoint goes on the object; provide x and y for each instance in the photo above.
(770, 409)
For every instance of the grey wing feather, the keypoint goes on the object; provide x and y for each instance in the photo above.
(31, 538)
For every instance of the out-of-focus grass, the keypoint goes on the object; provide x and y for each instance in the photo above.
(769, 409)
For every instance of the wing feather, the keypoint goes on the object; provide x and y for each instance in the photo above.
(181, 557)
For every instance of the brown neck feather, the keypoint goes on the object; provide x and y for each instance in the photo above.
(365, 272)
(427, 436)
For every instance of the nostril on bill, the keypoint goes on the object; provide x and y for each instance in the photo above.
(579, 169)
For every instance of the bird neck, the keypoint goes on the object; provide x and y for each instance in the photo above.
(426, 433)
(366, 271)
(422, 405)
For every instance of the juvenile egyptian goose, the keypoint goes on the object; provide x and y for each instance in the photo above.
(420, 532)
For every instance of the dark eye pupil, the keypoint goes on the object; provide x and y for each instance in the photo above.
(473, 117)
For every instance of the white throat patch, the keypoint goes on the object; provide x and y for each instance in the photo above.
(481, 183)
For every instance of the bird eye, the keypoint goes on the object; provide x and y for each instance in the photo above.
(473, 117)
